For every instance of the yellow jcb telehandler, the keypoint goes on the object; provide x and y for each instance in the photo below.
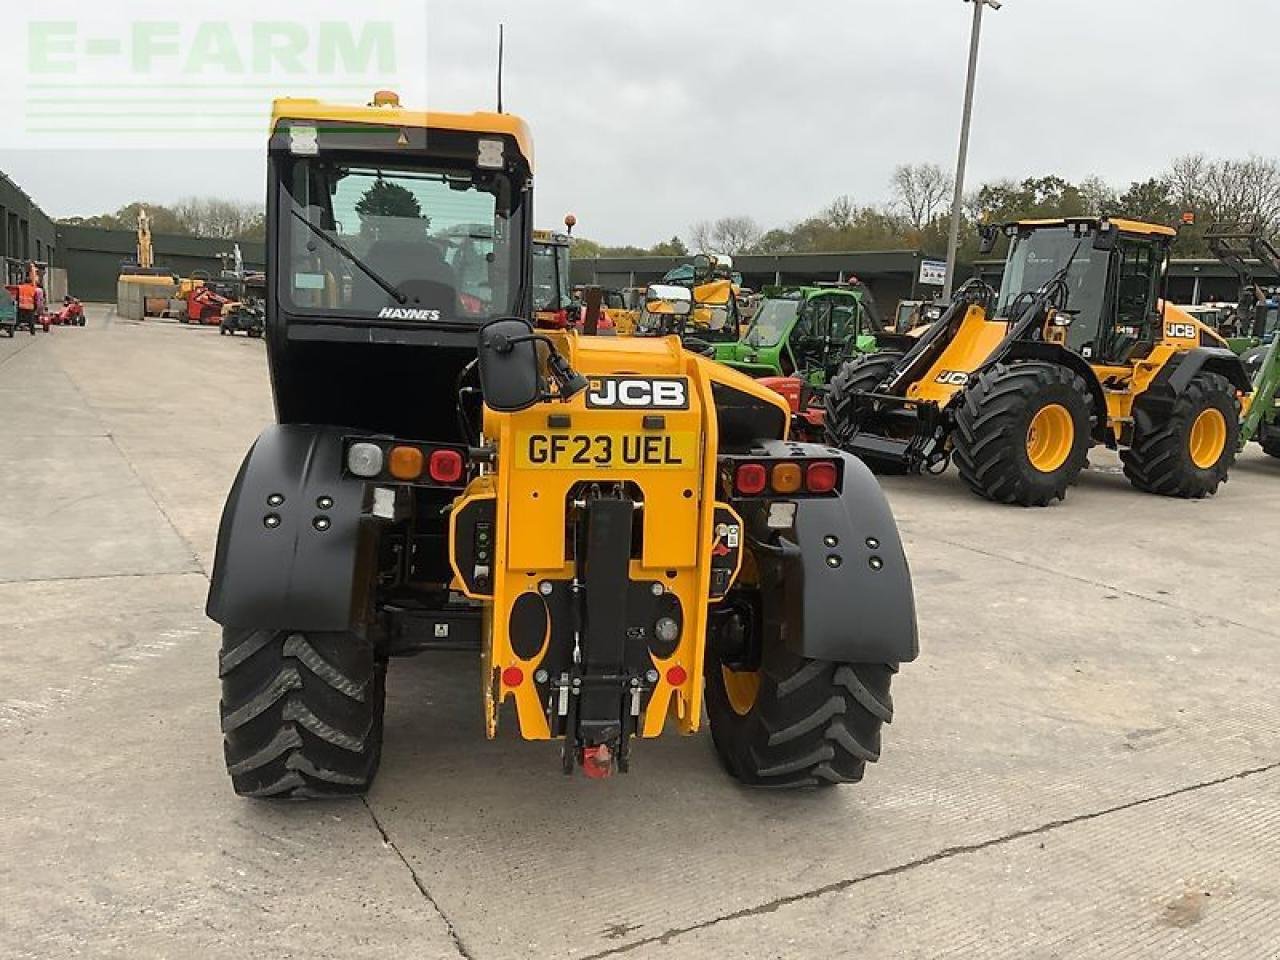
(1079, 347)
(621, 530)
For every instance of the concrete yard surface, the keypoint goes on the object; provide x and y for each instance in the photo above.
(1085, 760)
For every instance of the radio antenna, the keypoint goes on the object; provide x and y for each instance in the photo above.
(501, 30)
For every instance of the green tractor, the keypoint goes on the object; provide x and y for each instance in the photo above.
(805, 332)
(1262, 421)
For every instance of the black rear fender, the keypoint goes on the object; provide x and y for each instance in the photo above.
(835, 585)
(289, 537)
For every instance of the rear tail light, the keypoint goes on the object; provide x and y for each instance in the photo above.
(445, 466)
(821, 477)
(751, 479)
(405, 463)
(398, 461)
(786, 478)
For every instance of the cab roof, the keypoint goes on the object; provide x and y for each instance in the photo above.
(390, 113)
(1124, 226)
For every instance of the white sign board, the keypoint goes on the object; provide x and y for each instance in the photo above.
(933, 272)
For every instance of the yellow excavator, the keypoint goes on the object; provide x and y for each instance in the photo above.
(142, 289)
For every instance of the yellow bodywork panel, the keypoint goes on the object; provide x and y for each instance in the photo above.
(973, 343)
(543, 456)
(1137, 227)
(1123, 384)
(394, 116)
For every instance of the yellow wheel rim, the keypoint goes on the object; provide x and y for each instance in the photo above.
(1208, 438)
(742, 687)
(1050, 437)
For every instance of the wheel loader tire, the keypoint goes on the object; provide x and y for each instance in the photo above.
(856, 376)
(1189, 453)
(809, 723)
(1270, 440)
(301, 713)
(1022, 433)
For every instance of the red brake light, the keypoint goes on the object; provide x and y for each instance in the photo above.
(445, 466)
(751, 479)
(821, 477)
(677, 675)
(512, 677)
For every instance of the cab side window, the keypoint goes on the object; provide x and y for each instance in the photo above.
(843, 320)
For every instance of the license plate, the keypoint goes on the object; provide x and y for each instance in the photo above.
(607, 451)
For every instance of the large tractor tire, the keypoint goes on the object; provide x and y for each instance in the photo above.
(797, 722)
(1023, 433)
(301, 713)
(1189, 453)
(1269, 439)
(857, 376)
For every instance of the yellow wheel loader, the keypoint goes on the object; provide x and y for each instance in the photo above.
(1078, 348)
(619, 529)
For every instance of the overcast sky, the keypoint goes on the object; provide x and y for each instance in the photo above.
(652, 114)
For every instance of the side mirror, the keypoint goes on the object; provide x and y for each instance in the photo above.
(510, 380)
(668, 300)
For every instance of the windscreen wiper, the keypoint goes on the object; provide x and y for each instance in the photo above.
(367, 270)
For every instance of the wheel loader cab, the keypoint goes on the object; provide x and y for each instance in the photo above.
(1115, 273)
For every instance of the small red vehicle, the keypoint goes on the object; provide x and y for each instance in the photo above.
(71, 314)
(204, 306)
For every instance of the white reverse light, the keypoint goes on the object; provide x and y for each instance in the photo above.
(364, 459)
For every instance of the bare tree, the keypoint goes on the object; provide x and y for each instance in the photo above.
(1187, 177)
(700, 233)
(840, 213)
(1245, 192)
(731, 235)
(921, 191)
(220, 219)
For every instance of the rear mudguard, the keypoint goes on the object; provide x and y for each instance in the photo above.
(836, 586)
(289, 563)
(1177, 374)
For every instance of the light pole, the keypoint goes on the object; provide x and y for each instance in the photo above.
(953, 243)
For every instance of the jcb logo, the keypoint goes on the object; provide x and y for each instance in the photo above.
(656, 393)
(953, 378)
(1181, 331)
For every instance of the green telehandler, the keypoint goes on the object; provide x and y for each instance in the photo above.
(805, 331)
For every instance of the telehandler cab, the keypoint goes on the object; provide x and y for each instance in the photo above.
(1078, 348)
(613, 524)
